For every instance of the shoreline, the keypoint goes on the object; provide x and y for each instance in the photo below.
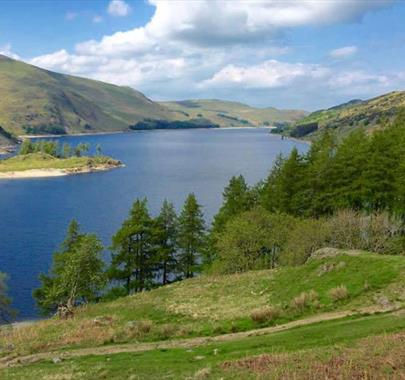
(71, 134)
(48, 173)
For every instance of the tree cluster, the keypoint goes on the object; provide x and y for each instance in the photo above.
(362, 172)
(145, 252)
(55, 149)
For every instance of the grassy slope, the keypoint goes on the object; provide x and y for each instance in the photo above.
(45, 161)
(300, 345)
(368, 114)
(231, 114)
(31, 97)
(209, 306)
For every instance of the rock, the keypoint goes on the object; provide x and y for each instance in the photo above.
(384, 302)
(56, 360)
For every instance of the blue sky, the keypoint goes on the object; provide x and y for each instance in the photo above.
(288, 54)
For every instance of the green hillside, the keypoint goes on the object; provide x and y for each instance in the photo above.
(232, 114)
(206, 323)
(215, 305)
(369, 115)
(37, 101)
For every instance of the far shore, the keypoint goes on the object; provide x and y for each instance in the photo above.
(46, 173)
(71, 134)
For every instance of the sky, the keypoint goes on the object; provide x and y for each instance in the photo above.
(305, 54)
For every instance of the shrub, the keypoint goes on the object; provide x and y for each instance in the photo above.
(307, 236)
(338, 293)
(167, 331)
(252, 240)
(305, 300)
(137, 329)
(265, 314)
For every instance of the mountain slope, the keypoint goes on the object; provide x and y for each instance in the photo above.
(215, 305)
(370, 115)
(231, 114)
(37, 101)
(34, 101)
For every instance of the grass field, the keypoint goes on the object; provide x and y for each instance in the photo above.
(214, 305)
(307, 350)
(46, 161)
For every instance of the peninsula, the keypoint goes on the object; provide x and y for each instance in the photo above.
(47, 159)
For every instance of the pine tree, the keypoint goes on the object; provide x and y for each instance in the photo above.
(133, 258)
(237, 198)
(165, 236)
(191, 237)
(282, 190)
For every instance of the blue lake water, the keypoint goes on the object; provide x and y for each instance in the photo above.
(34, 213)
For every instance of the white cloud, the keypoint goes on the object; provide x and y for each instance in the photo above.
(343, 52)
(118, 8)
(97, 19)
(268, 74)
(212, 48)
(6, 50)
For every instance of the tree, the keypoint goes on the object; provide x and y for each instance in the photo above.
(165, 236)
(282, 192)
(253, 240)
(237, 198)
(98, 150)
(81, 148)
(191, 236)
(77, 273)
(6, 312)
(26, 147)
(66, 150)
(133, 260)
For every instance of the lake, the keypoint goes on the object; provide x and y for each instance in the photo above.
(34, 213)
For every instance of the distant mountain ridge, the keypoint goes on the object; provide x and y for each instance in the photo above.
(367, 114)
(34, 101)
(232, 114)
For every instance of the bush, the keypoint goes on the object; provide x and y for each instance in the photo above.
(378, 232)
(266, 314)
(305, 300)
(167, 331)
(305, 238)
(253, 240)
(138, 328)
(339, 293)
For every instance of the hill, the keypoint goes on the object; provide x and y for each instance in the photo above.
(34, 101)
(208, 327)
(37, 101)
(369, 114)
(214, 305)
(232, 114)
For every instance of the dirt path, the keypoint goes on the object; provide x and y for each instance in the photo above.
(181, 343)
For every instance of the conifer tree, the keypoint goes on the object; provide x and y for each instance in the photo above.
(133, 260)
(237, 198)
(191, 237)
(165, 240)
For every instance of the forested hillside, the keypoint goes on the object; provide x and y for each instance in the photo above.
(368, 115)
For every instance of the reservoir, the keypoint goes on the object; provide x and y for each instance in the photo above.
(34, 213)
